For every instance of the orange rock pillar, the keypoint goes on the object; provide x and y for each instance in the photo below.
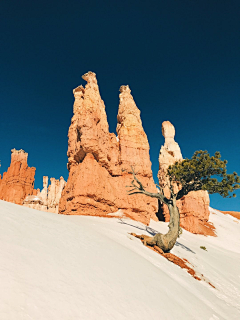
(99, 163)
(18, 181)
(194, 207)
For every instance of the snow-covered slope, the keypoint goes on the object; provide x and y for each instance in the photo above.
(76, 267)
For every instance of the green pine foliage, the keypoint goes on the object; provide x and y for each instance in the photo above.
(203, 172)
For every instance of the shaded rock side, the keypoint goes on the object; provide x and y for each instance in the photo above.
(47, 199)
(194, 207)
(99, 163)
(18, 181)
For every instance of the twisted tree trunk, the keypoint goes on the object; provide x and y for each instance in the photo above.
(166, 241)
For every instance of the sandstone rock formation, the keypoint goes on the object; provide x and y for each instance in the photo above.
(48, 198)
(194, 207)
(18, 181)
(169, 153)
(99, 163)
(34, 202)
(54, 194)
(44, 193)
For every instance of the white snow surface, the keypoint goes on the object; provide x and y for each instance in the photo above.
(77, 267)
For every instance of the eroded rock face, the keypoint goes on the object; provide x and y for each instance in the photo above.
(48, 198)
(44, 193)
(133, 142)
(99, 163)
(54, 194)
(169, 153)
(18, 181)
(194, 207)
(34, 202)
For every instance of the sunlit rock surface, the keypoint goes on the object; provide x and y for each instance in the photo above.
(99, 163)
(194, 207)
(18, 181)
(48, 198)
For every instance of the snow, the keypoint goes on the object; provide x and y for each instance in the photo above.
(77, 267)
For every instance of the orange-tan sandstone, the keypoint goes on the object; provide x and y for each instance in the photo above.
(18, 181)
(194, 207)
(99, 162)
(48, 198)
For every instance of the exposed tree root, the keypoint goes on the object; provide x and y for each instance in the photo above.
(183, 263)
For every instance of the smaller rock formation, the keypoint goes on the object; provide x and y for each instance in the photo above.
(194, 207)
(54, 194)
(48, 198)
(44, 193)
(34, 202)
(18, 181)
(170, 152)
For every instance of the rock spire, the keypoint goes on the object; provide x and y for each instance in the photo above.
(194, 207)
(18, 181)
(99, 163)
(48, 198)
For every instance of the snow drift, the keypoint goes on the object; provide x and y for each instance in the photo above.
(78, 267)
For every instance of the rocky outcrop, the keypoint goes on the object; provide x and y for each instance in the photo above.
(43, 195)
(18, 181)
(34, 202)
(48, 198)
(54, 194)
(99, 163)
(194, 207)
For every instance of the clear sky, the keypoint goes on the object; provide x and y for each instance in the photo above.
(180, 58)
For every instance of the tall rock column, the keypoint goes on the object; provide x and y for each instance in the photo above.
(54, 194)
(18, 181)
(134, 153)
(44, 193)
(92, 150)
(89, 131)
(99, 162)
(194, 207)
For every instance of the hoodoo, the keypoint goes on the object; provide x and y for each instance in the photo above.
(99, 163)
(18, 181)
(48, 198)
(194, 207)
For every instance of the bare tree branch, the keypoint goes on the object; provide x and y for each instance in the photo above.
(140, 189)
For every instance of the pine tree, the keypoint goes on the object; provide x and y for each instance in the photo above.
(201, 172)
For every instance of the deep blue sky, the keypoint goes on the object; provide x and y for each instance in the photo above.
(180, 58)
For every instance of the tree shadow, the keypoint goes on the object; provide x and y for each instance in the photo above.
(150, 230)
(178, 244)
(153, 232)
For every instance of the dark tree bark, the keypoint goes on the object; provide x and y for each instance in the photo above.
(164, 241)
(197, 173)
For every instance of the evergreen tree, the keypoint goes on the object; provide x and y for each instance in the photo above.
(201, 172)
